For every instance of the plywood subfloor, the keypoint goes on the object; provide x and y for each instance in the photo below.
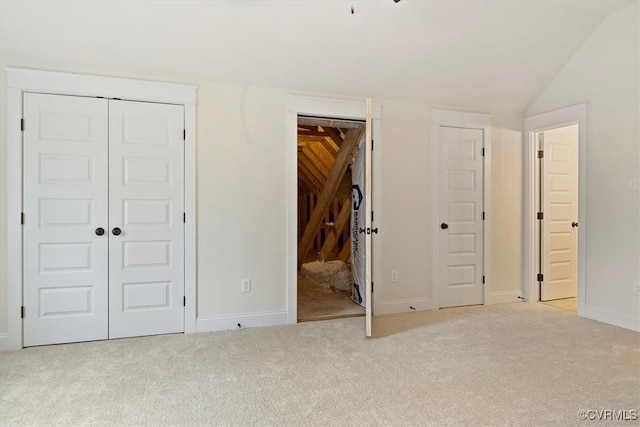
(570, 304)
(316, 303)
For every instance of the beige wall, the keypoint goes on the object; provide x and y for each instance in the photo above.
(241, 181)
(241, 199)
(605, 73)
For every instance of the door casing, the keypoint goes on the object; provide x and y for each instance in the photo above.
(19, 81)
(440, 118)
(533, 125)
(339, 109)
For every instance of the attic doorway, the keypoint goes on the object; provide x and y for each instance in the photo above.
(329, 161)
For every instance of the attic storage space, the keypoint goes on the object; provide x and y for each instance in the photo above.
(326, 151)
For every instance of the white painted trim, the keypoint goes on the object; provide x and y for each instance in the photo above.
(28, 80)
(4, 342)
(251, 320)
(332, 107)
(400, 306)
(459, 119)
(191, 206)
(576, 114)
(22, 80)
(612, 318)
(322, 107)
(14, 227)
(503, 297)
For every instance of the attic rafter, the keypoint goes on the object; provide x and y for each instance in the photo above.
(317, 161)
(310, 184)
(345, 253)
(311, 131)
(331, 147)
(335, 136)
(327, 159)
(338, 227)
(346, 153)
(312, 174)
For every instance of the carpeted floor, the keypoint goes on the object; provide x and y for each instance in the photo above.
(514, 364)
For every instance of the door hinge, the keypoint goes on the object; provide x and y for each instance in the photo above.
(483, 280)
(184, 301)
(22, 312)
(371, 287)
(483, 216)
(482, 151)
(22, 218)
(184, 134)
(540, 154)
(540, 277)
(22, 125)
(371, 144)
(371, 216)
(540, 215)
(184, 217)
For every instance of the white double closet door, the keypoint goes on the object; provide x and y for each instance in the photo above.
(103, 226)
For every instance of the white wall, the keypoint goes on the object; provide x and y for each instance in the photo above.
(241, 199)
(406, 219)
(605, 73)
(242, 204)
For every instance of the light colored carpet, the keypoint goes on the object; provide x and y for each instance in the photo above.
(514, 364)
(570, 304)
(317, 303)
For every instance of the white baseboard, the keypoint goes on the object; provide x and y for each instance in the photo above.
(503, 297)
(612, 318)
(219, 323)
(403, 306)
(4, 342)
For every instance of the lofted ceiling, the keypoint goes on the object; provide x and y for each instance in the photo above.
(491, 56)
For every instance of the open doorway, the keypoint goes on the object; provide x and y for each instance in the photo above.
(557, 215)
(329, 162)
(568, 219)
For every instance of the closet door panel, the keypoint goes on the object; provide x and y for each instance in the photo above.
(146, 187)
(65, 205)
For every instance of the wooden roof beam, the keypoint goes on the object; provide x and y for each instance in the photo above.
(347, 150)
(338, 227)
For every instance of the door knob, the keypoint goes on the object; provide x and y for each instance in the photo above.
(99, 231)
(574, 224)
(116, 231)
(444, 225)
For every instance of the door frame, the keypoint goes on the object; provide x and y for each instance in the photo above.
(334, 108)
(440, 118)
(576, 114)
(20, 80)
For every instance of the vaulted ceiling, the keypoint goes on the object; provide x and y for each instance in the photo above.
(490, 56)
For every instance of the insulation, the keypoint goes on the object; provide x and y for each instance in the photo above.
(335, 275)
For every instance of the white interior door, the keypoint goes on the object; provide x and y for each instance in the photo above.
(65, 206)
(146, 187)
(559, 224)
(368, 145)
(461, 222)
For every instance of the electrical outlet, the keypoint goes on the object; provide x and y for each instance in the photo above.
(246, 285)
(394, 276)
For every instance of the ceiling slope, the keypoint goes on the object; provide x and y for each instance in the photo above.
(491, 56)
